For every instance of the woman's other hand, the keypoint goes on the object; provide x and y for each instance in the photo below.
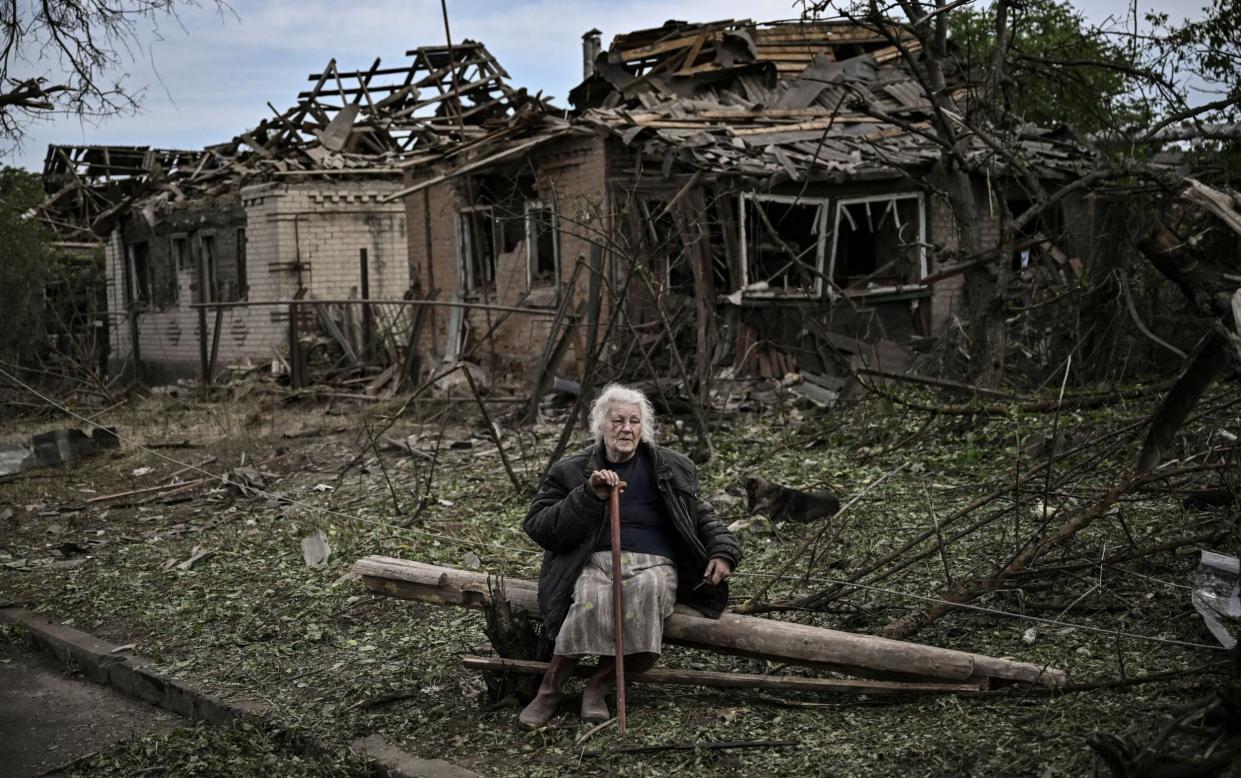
(717, 570)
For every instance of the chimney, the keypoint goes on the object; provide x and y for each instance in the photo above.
(592, 44)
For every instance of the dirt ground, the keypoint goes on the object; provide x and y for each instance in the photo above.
(50, 718)
(208, 578)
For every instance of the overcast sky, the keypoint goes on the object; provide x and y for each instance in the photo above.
(208, 76)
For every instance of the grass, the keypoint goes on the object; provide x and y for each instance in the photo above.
(254, 621)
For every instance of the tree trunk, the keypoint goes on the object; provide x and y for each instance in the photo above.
(731, 633)
(983, 285)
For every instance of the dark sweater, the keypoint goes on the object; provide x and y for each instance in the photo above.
(645, 525)
(566, 519)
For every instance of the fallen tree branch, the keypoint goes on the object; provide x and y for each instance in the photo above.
(491, 430)
(942, 383)
(1141, 325)
(1078, 402)
(968, 590)
(1121, 556)
(711, 744)
(679, 677)
(818, 600)
(148, 490)
(730, 633)
(385, 699)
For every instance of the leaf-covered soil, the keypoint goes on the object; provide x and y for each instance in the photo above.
(249, 618)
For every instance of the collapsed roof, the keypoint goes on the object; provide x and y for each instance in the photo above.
(787, 101)
(87, 186)
(359, 122)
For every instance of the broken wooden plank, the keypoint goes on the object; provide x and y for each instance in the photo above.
(497, 157)
(329, 324)
(676, 676)
(731, 633)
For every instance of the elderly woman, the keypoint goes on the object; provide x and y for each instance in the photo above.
(673, 550)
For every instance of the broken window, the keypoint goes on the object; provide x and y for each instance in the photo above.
(781, 241)
(879, 242)
(664, 249)
(206, 288)
(477, 245)
(180, 247)
(542, 245)
(140, 273)
(243, 288)
(1030, 245)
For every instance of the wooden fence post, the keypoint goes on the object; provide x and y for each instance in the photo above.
(295, 349)
(134, 344)
(368, 320)
(204, 368)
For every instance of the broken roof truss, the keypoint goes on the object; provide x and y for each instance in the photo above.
(361, 122)
(780, 102)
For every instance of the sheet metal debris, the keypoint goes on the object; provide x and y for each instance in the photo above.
(1216, 595)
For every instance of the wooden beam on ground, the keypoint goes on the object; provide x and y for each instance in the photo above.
(786, 683)
(731, 633)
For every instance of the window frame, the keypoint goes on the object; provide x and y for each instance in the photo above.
(838, 208)
(823, 204)
(140, 279)
(240, 259)
(207, 267)
(465, 247)
(532, 243)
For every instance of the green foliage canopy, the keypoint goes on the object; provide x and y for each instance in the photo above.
(1058, 69)
(1206, 54)
(24, 257)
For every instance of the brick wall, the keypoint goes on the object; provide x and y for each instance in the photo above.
(574, 174)
(571, 174)
(308, 233)
(948, 296)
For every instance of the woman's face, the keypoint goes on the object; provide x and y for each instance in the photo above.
(622, 429)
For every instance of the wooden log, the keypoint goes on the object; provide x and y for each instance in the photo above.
(668, 675)
(148, 490)
(731, 633)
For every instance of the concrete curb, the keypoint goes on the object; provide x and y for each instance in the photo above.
(134, 676)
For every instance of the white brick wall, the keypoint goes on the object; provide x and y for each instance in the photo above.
(322, 223)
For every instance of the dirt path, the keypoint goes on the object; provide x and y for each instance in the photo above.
(49, 718)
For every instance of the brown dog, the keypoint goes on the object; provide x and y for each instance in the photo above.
(783, 503)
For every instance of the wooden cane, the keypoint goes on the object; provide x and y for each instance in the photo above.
(618, 614)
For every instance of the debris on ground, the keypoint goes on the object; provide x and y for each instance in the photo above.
(55, 448)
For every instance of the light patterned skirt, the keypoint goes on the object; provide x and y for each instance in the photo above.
(649, 590)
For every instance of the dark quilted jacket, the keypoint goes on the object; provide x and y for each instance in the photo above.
(567, 520)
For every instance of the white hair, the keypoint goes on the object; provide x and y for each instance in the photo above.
(617, 394)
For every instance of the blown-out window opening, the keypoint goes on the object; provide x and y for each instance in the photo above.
(782, 244)
(662, 248)
(878, 242)
(476, 244)
(243, 283)
(206, 287)
(140, 273)
(542, 245)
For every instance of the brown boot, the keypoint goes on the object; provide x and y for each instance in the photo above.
(594, 696)
(543, 706)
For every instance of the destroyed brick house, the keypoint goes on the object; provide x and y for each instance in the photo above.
(708, 173)
(722, 163)
(200, 243)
